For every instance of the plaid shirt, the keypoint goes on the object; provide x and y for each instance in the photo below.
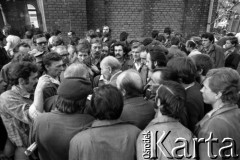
(14, 110)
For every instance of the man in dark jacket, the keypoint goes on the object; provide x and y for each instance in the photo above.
(136, 109)
(214, 51)
(186, 72)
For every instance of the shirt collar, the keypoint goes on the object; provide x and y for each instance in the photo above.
(189, 86)
(162, 119)
(20, 91)
(216, 111)
(53, 80)
(114, 75)
(102, 123)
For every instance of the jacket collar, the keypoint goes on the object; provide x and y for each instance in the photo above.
(221, 110)
(113, 76)
(162, 119)
(21, 92)
(105, 123)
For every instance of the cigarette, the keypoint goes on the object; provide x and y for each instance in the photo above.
(30, 149)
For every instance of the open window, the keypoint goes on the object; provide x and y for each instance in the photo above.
(32, 11)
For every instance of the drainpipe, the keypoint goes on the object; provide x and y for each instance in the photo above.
(210, 15)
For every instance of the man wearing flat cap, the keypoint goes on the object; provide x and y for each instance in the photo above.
(65, 121)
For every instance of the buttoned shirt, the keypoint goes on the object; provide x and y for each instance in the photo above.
(14, 110)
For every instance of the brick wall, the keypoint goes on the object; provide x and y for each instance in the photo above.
(66, 15)
(137, 17)
(140, 17)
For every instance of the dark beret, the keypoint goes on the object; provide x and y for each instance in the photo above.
(74, 88)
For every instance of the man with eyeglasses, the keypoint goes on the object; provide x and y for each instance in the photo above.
(41, 48)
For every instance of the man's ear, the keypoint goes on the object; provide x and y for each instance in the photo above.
(218, 95)
(200, 72)
(21, 81)
(123, 92)
(110, 69)
(46, 67)
(155, 63)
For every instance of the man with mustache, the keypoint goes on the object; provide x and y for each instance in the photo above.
(120, 54)
(18, 108)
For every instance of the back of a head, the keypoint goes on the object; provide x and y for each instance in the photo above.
(130, 83)
(56, 32)
(233, 40)
(158, 54)
(147, 41)
(74, 41)
(164, 74)
(226, 81)
(50, 57)
(23, 70)
(185, 68)
(230, 34)
(209, 36)
(203, 63)
(61, 50)
(72, 94)
(76, 70)
(106, 103)
(112, 62)
(20, 57)
(123, 36)
(197, 40)
(175, 41)
(56, 41)
(161, 38)
(191, 44)
(172, 99)
(167, 30)
(29, 34)
(155, 33)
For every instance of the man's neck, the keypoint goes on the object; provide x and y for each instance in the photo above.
(209, 47)
(54, 77)
(121, 60)
(218, 104)
(202, 78)
(138, 61)
(114, 72)
(23, 89)
(186, 86)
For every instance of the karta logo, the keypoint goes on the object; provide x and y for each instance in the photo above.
(155, 144)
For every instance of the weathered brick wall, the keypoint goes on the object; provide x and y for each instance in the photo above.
(197, 16)
(66, 15)
(140, 17)
(168, 13)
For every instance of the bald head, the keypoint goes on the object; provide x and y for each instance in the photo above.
(61, 50)
(76, 70)
(111, 62)
(130, 83)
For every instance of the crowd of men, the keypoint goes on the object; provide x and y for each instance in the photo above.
(98, 98)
